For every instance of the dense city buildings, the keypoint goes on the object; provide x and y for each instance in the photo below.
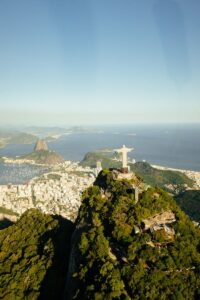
(57, 192)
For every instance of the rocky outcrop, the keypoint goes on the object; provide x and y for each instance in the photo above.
(52, 158)
(40, 145)
(42, 155)
(159, 220)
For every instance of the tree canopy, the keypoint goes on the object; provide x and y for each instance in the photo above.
(117, 258)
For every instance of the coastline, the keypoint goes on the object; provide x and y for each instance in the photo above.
(21, 161)
(194, 175)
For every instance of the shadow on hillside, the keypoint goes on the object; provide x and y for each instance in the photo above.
(54, 282)
(189, 201)
(4, 223)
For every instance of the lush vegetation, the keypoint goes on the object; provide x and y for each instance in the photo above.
(106, 159)
(162, 178)
(15, 137)
(189, 201)
(33, 257)
(116, 258)
(44, 157)
(172, 181)
(114, 254)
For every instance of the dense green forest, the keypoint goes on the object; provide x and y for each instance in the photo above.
(118, 248)
(129, 250)
(189, 201)
(162, 178)
(34, 256)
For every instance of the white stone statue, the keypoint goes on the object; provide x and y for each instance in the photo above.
(123, 151)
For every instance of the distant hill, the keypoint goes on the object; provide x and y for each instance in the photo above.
(40, 145)
(45, 157)
(45, 131)
(154, 177)
(127, 249)
(42, 155)
(34, 257)
(161, 178)
(189, 201)
(106, 159)
(15, 137)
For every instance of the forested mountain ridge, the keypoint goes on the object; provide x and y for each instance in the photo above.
(127, 250)
(34, 257)
(189, 201)
(130, 241)
(171, 181)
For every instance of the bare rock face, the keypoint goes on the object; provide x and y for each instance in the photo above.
(158, 221)
(41, 145)
(42, 155)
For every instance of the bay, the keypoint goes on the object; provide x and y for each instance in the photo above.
(19, 173)
(176, 146)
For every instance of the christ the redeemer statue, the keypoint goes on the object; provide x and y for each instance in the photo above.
(123, 151)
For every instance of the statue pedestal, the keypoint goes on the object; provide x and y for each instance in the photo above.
(125, 170)
(129, 175)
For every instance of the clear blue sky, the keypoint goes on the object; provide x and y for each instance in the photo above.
(99, 61)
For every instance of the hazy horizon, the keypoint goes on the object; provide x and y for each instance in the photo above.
(16, 126)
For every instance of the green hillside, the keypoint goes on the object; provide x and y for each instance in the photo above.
(106, 159)
(161, 178)
(151, 176)
(189, 201)
(15, 137)
(127, 250)
(120, 249)
(33, 257)
(46, 157)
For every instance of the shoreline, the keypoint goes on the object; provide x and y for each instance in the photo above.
(194, 175)
(159, 167)
(17, 161)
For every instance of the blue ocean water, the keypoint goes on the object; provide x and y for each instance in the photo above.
(19, 174)
(176, 146)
